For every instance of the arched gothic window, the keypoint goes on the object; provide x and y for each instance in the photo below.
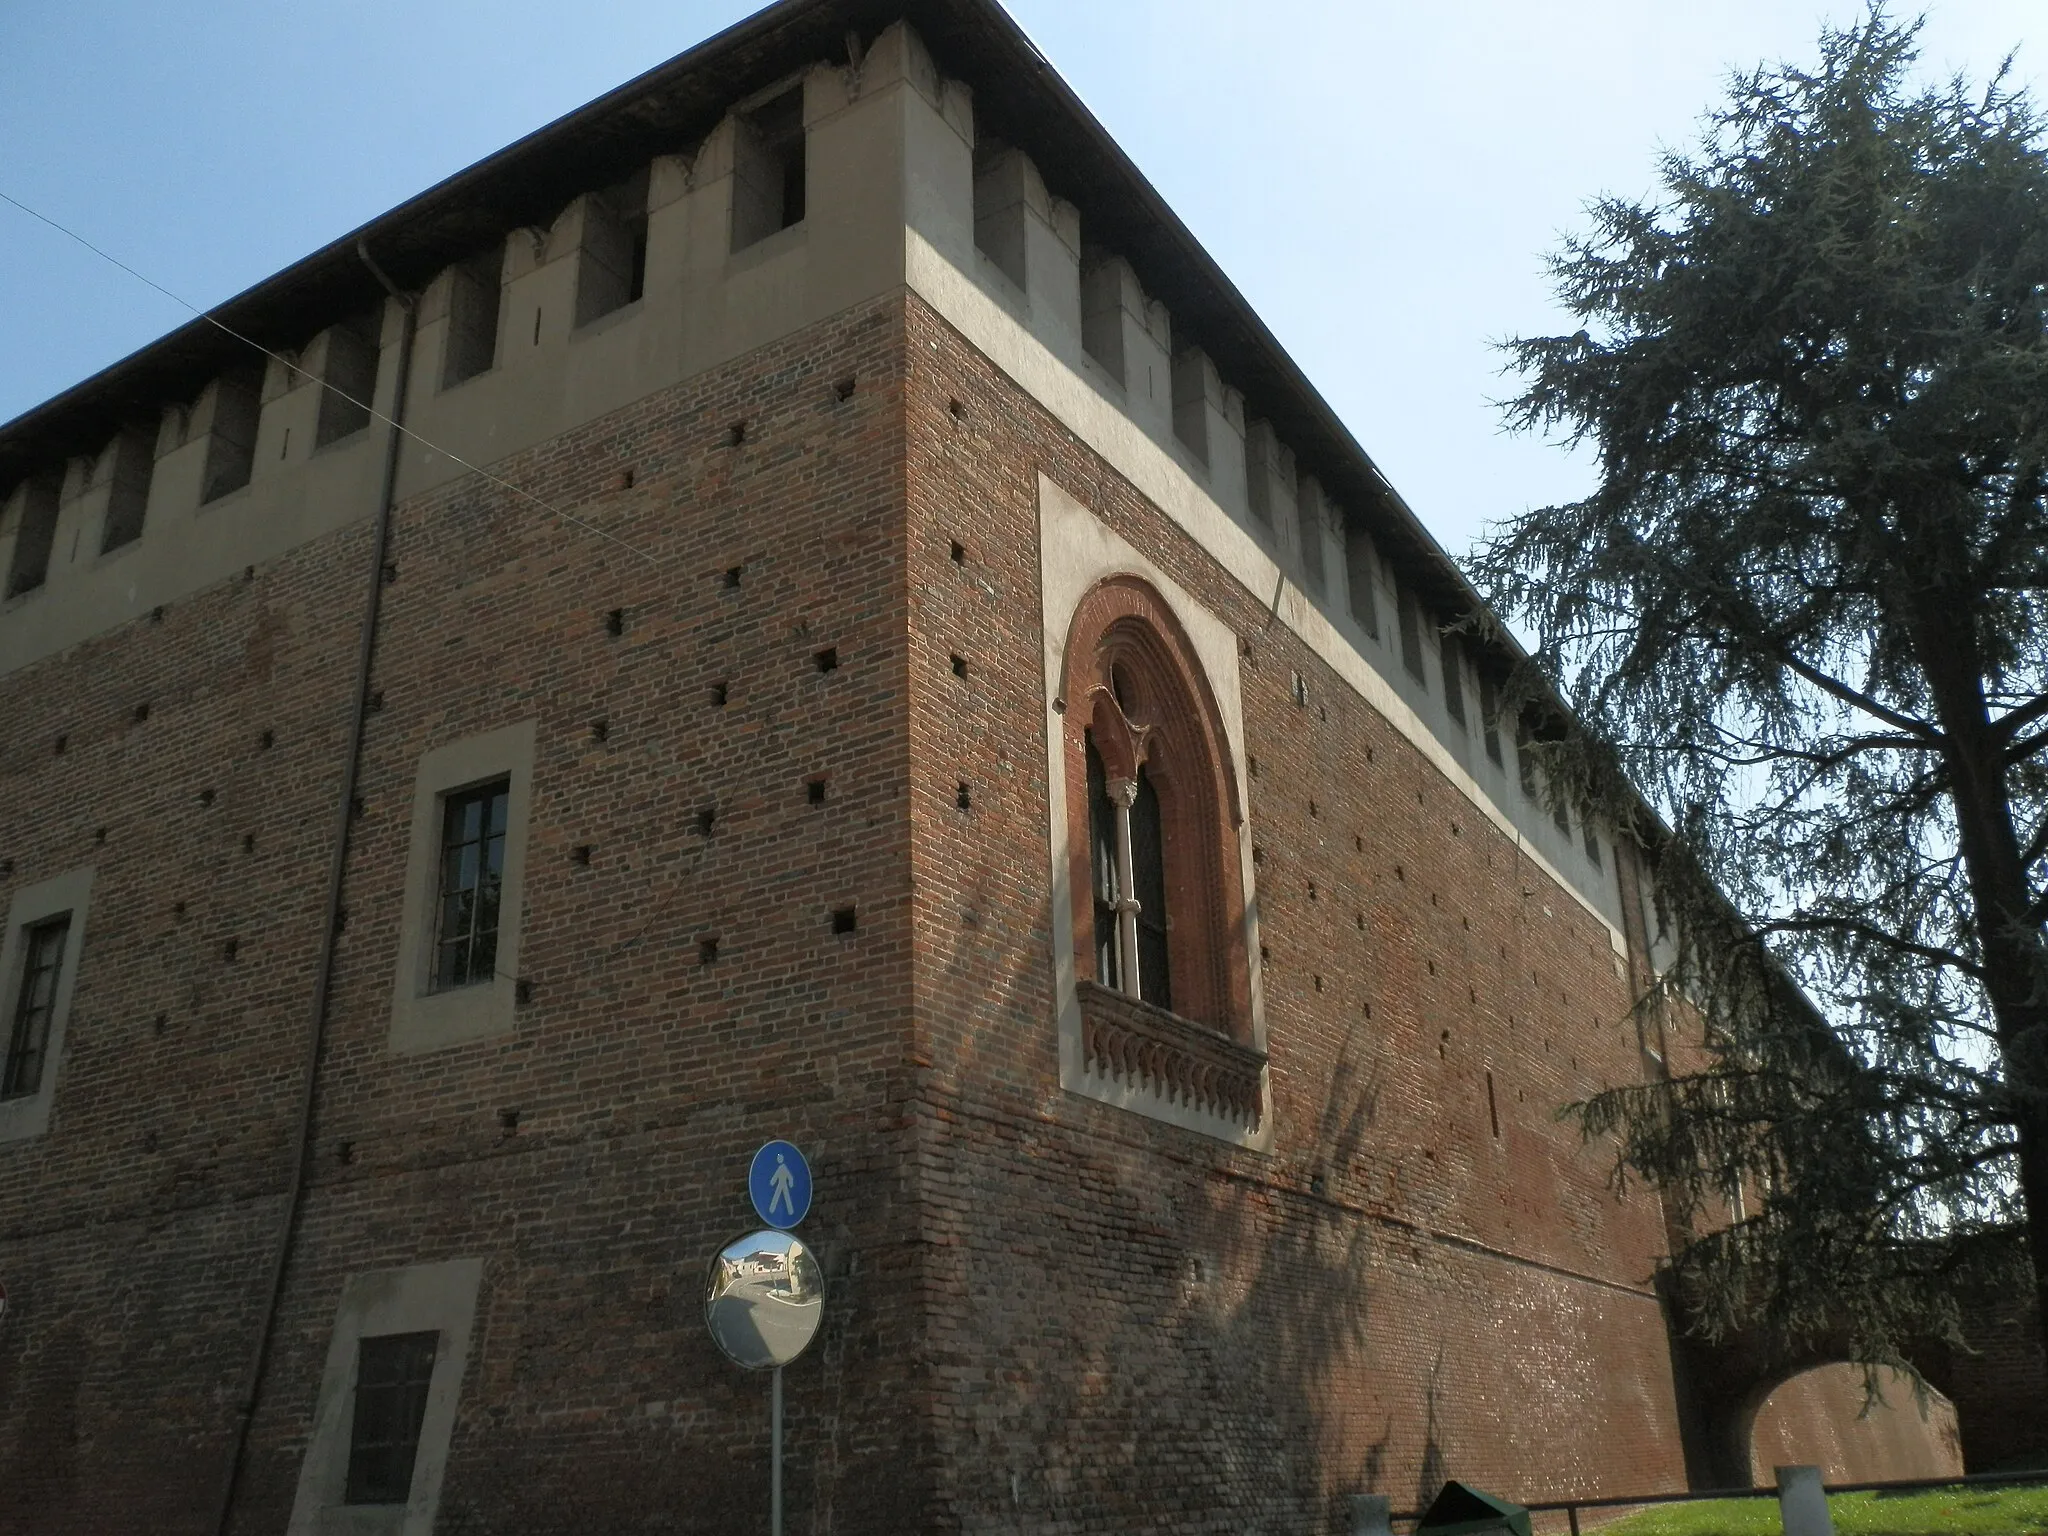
(1152, 797)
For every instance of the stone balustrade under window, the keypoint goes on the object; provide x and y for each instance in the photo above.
(1145, 1046)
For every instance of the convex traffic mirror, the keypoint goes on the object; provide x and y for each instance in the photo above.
(764, 1298)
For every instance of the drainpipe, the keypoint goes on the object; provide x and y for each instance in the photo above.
(323, 971)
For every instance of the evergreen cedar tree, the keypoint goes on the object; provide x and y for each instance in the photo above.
(1804, 610)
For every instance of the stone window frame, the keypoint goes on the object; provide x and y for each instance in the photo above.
(1123, 627)
(423, 1019)
(70, 893)
(1109, 1045)
(421, 1298)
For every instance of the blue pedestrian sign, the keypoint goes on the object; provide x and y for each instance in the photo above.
(780, 1184)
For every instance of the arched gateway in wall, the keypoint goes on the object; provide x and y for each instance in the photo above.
(1997, 1383)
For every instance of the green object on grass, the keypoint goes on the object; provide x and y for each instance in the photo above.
(1459, 1510)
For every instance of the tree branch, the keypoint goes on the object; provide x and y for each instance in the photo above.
(1945, 958)
(2024, 748)
(1856, 699)
(2013, 721)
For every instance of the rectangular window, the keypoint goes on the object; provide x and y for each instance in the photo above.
(35, 1004)
(1454, 679)
(1001, 183)
(474, 290)
(472, 876)
(1592, 845)
(134, 466)
(1358, 568)
(1489, 716)
(1525, 760)
(1312, 554)
(36, 535)
(768, 179)
(1411, 636)
(231, 444)
(612, 272)
(392, 1376)
(1102, 311)
(349, 380)
(1264, 463)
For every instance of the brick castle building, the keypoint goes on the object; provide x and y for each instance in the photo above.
(870, 642)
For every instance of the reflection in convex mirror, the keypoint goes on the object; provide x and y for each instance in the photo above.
(764, 1299)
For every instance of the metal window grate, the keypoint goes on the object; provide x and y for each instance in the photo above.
(393, 1373)
(42, 951)
(472, 878)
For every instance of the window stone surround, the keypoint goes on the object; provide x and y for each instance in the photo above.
(1077, 552)
(423, 1297)
(423, 1019)
(29, 1116)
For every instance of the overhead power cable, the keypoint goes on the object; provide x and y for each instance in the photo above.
(361, 405)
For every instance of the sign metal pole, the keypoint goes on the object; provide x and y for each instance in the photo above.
(764, 1292)
(775, 1455)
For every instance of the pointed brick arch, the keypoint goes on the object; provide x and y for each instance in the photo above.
(1130, 678)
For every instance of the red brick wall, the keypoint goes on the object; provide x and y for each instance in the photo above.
(1999, 1381)
(133, 1235)
(1045, 1314)
(1145, 1322)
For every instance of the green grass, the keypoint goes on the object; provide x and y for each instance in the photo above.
(1941, 1512)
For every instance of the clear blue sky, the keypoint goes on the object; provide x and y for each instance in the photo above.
(1381, 180)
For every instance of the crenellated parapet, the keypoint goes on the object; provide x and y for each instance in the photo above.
(792, 205)
(807, 194)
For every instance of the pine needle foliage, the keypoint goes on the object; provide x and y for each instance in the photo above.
(1806, 611)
